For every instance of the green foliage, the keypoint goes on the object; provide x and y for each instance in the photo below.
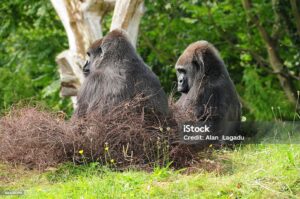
(13, 91)
(31, 35)
(258, 95)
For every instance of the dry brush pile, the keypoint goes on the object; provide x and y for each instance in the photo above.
(125, 136)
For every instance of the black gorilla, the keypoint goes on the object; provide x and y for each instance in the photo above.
(207, 90)
(114, 74)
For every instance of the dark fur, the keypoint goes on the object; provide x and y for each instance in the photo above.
(210, 93)
(114, 74)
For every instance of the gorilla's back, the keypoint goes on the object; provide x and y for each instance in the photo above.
(148, 84)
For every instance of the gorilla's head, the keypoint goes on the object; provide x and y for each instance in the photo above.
(198, 60)
(111, 49)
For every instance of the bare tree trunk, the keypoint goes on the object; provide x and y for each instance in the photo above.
(82, 22)
(274, 58)
(127, 15)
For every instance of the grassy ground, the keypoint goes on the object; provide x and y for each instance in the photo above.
(252, 171)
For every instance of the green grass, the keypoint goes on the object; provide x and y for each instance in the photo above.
(252, 171)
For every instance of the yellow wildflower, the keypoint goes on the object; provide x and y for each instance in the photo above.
(112, 160)
(80, 152)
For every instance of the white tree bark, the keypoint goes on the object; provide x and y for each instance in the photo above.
(127, 16)
(82, 22)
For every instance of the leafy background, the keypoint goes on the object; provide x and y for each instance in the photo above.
(31, 35)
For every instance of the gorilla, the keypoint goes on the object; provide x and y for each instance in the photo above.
(114, 74)
(206, 89)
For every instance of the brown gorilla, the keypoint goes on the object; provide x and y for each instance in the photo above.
(207, 90)
(114, 74)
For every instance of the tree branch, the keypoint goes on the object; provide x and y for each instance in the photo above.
(296, 14)
(274, 58)
(277, 26)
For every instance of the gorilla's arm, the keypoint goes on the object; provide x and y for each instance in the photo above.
(103, 88)
(209, 99)
(149, 85)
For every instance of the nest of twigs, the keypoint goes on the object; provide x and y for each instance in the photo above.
(122, 137)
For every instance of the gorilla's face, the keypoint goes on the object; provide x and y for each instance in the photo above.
(95, 54)
(185, 77)
(86, 68)
(94, 60)
(182, 81)
(190, 66)
(108, 51)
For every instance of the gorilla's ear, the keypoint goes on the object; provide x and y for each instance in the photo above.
(198, 60)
